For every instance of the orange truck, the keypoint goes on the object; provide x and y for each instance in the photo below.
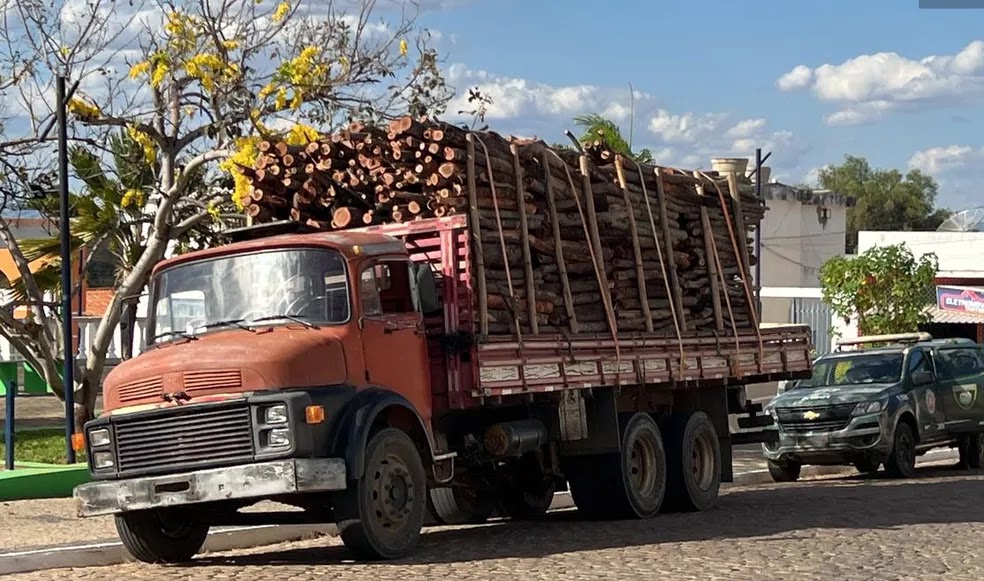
(339, 373)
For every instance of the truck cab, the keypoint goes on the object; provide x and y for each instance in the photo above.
(283, 367)
(886, 401)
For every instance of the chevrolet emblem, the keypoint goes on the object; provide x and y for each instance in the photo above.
(811, 415)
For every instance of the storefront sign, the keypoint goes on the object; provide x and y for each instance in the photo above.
(960, 299)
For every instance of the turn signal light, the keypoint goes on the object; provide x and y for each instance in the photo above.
(78, 442)
(314, 414)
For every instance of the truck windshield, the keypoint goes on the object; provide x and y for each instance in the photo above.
(233, 291)
(855, 370)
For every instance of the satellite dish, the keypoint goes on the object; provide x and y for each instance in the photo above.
(965, 221)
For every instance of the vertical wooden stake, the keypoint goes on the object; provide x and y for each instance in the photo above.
(636, 249)
(710, 249)
(476, 240)
(565, 282)
(668, 239)
(524, 240)
(739, 224)
(596, 242)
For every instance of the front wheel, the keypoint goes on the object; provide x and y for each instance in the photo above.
(867, 466)
(785, 471)
(381, 514)
(161, 536)
(901, 461)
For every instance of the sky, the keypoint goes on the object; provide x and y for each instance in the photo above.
(809, 81)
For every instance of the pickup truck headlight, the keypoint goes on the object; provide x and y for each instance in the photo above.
(99, 438)
(868, 407)
(275, 415)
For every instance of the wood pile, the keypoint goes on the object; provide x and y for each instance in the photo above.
(600, 243)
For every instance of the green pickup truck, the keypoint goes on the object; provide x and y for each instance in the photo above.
(886, 403)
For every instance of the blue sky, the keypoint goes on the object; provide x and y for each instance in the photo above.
(808, 80)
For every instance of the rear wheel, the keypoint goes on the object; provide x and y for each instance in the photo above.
(901, 461)
(971, 449)
(629, 484)
(381, 514)
(784, 471)
(161, 536)
(694, 462)
(453, 505)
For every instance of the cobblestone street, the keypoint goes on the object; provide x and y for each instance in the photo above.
(847, 529)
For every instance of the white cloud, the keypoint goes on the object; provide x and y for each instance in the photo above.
(869, 87)
(959, 170)
(684, 139)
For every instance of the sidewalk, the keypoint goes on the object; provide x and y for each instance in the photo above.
(38, 411)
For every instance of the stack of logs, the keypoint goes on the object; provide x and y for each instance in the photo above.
(591, 262)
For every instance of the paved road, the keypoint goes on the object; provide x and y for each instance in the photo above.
(927, 528)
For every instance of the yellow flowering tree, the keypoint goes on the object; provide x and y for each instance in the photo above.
(200, 82)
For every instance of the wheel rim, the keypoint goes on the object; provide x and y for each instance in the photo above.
(392, 493)
(702, 461)
(907, 456)
(643, 471)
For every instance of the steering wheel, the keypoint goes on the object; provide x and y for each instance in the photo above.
(301, 303)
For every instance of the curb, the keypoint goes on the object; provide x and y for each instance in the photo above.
(238, 538)
(113, 553)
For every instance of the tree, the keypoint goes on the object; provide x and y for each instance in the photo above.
(198, 85)
(595, 126)
(885, 287)
(884, 199)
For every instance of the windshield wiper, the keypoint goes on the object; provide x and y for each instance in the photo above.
(295, 318)
(236, 322)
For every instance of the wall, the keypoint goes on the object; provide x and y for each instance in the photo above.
(959, 253)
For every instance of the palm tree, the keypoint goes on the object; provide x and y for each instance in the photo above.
(595, 126)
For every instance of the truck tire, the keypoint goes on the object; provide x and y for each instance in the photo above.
(694, 463)
(971, 449)
(629, 484)
(381, 514)
(784, 472)
(529, 493)
(867, 466)
(160, 536)
(901, 462)
(456, 505)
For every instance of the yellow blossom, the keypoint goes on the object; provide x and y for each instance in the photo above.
(145, 142)
(83, 110)
(403, 47)
(139, 69)
(213, 210)
(230, 44)
(301, 134)
(132, 198)
(297, 101)
(246, 152)
(281, 102)
(281, 12)
(160, 71)
(267, 90)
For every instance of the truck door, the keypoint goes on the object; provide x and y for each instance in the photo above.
(393, 332)
(962, 381)
(926, 398)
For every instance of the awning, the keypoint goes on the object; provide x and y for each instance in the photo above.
(958, 304)
(954, 317)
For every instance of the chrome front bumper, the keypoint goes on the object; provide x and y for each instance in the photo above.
(260, 480)
(866, 435)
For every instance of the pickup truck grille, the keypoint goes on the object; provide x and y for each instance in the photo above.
(184, 439)
(815, 419)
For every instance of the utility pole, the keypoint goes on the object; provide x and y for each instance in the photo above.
(68, 370)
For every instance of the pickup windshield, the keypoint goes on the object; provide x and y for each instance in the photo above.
(235, 291)
(854, 370)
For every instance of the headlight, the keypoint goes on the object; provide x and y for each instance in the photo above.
(99, 438)
(279, 438)
(868, 407)
(102, 460)
(275, 414)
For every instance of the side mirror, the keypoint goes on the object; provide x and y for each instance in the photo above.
(923, 377)
(426, 289)
(128, 301)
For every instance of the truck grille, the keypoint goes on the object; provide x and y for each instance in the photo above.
(185, 439)
(823, 418)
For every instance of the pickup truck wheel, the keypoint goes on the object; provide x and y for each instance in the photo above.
(867, 466)
(901, 461)
(971, 449)
(784, 472)
(694, 462)
(454, 505)
(161, 536)
(381, 514)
